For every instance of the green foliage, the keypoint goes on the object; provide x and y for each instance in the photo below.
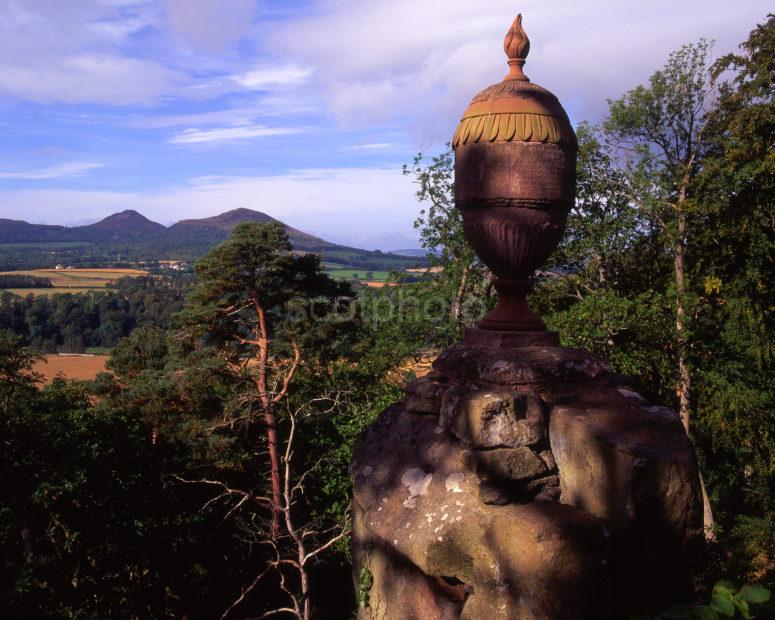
(660, 126)
(733, 333)
(634, 333)
(600, 225)
(726, 602)
(612, 288)
(256, 266)
(129, 505)
(365, 581)
(439, 223)
(16, 365)
(8, 280)
(145, 349)
(77, 534)
(463, 277)
(74, 322)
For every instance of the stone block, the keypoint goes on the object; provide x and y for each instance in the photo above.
(436, 549)
(518, 367)
(509, 464)
(490, 419)
(636, 468)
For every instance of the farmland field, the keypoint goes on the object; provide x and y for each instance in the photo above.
(72, 280)
(84, 367)
(360, 274)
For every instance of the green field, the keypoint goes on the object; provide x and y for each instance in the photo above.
(360, 274)
(380, 261)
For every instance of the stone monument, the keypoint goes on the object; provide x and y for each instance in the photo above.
(521, 479)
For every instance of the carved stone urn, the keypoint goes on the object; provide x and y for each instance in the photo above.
(515, 173)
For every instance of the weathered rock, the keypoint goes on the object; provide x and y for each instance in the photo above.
(503, 492)
(430, 386)
(605, 390)
(634, 467)
(540, 484)
(495, 493)
(395, 588)
(424, 394)
(548, 494)
(489, 419)
(469, 514)
(548, 459)
(509, 340)
(509, 464)
(417, 404)
(418, 504)
(519, 367)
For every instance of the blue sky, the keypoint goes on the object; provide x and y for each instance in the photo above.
(302, 109)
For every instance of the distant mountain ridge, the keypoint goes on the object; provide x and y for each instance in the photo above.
(185, 239)
(129, 224)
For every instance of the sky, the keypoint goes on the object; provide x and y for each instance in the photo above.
(302, 109)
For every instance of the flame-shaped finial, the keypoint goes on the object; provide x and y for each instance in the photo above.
(517, 46)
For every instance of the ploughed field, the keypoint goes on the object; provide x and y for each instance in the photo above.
(72, 280)
(70, 366)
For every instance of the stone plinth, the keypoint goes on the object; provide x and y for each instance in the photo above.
(524, 483)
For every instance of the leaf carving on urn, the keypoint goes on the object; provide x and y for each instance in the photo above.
(507, 127)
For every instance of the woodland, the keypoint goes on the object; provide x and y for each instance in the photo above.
(206, 475)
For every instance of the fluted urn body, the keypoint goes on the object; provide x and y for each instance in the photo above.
(515, 173)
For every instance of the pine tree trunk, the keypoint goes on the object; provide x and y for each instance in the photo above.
(262, 341)
(274, 464)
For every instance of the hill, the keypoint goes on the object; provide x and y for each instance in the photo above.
(116, 227)
(121, 226)
(17, 231)
(218, 227)
(129, 236)
(229, 219)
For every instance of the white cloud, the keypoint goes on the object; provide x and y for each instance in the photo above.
(210, 25)
(196, 136)
(264, 77)
(121, 29)
(366, 62)
(122, 53)
(96, 78)
(339, 204)
(407, 64)
(421, 62)
(70, 169)
(71, 52)
(265, 106)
